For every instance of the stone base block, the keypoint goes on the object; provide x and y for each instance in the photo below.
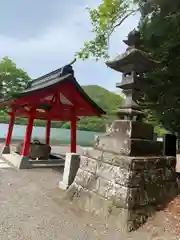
(130, 147)
(123, 218)
(131, 129)
(72, 162)
(129, 138)
(129, 190)
(5, 150)
(17, 161)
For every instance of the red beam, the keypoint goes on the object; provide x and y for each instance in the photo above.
(60, 112)
(64, 113)
(54, 117)
(54, 110)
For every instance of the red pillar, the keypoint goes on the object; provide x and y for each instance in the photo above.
(27, 138)
(48, 129)
(10, 129)
(73, 135)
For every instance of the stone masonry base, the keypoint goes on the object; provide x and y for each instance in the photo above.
(126, 189)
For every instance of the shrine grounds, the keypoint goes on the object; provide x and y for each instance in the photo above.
(31, 207)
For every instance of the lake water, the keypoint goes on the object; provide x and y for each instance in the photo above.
(57, 134)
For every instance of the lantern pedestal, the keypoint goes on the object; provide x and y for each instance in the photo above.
(130, 138)
(126, 186)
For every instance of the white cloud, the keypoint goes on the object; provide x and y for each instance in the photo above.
(58, 43)
(56, 46)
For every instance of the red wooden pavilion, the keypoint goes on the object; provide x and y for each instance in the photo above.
(56, 96)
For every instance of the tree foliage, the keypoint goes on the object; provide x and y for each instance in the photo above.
(109, 15)
(160, 34)
(105, 18)
(12, 79)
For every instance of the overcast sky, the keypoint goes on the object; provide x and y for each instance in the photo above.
(42, 35)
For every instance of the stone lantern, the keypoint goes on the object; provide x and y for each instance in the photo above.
(133, 64)
(126, 175)
(130, 135)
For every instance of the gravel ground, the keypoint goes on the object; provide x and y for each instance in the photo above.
(31, 208)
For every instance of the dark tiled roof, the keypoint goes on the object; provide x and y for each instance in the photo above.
(51, 77)
(45, 83)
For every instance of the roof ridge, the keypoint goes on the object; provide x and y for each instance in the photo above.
(46, 75)
(60, 72)
(53, 72)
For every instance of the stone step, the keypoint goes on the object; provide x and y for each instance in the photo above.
(46, 165)
(46, 161)
(4, 164)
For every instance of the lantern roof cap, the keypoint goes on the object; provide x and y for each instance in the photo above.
(133, 59)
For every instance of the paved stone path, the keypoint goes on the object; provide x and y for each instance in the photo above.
(4, 164)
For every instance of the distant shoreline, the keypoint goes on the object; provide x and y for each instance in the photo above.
(86, 126)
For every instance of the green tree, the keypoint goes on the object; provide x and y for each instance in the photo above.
(109, 15)
(12, 79)
(160, 36)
